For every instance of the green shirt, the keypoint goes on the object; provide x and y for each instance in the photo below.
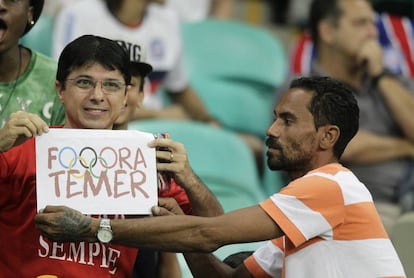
(33, 92)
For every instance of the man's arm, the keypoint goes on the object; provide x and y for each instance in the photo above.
(177, 233)
(398, 98)
(193, 105)
(171, 112)
(367, 147)
(400, 102)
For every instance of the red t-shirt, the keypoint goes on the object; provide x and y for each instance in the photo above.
(25, 253)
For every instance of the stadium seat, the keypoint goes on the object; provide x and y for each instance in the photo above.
(235, 66)
(402, 238)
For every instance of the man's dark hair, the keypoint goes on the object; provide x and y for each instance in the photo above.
(90, 49)
(321, 10)
(333, 103)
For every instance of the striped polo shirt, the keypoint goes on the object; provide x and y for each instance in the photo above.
(331, 227)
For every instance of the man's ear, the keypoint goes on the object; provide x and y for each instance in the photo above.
(329, 136)
(59, 91)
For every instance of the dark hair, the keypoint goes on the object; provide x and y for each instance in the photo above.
(89, 49)
(136, 72)
(37, 10)
(333, 103)
(320, 10)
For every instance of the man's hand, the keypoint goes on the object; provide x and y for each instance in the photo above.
(63, 224)
(19, 127)
(167, 206)
(370, 56)
(172, 159)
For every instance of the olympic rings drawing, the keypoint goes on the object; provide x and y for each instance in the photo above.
(81, 157)
(94, 152)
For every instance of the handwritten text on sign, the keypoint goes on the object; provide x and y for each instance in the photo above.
(96, 171)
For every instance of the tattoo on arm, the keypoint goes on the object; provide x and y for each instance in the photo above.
(76, 227)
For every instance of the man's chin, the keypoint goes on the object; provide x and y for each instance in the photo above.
(274, 165)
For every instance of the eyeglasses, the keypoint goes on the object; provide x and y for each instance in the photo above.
(108, 86)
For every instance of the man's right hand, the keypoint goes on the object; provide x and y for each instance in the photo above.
(166, 206)
(19, 127)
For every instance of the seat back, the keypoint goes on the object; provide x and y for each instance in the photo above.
(235, 50)
(402, 238)
(40, 36)
(235, 68)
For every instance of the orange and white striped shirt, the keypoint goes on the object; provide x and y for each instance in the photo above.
(332, 229)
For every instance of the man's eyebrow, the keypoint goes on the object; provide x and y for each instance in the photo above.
(285, 115)
(84, 76)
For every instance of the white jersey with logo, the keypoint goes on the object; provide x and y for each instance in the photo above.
(159, 33)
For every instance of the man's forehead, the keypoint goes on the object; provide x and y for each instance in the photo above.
(92, 67)
(356, 8)
(295, 99)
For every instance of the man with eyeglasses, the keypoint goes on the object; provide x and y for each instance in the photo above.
(91, 82)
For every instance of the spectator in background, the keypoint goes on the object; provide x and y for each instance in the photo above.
(381, 154)
(157, 27)
(27, 78)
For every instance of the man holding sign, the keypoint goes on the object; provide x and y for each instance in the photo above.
(92, 80)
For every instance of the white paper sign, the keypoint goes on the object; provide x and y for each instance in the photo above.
(96, 171)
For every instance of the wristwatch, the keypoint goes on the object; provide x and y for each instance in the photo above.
(375, 79)
(104, 233)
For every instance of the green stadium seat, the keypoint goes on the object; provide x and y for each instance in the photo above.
(402, 238)
(235, 68)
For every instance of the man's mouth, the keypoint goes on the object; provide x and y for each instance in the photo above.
(272, 144)
(95, 110)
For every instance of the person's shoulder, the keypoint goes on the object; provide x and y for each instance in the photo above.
(43, 61)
